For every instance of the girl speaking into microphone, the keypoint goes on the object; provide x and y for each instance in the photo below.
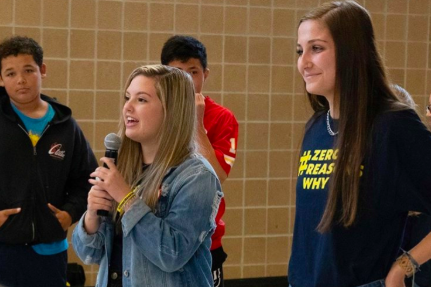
(164, 195)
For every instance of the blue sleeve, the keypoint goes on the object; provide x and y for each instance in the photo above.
(90, 248)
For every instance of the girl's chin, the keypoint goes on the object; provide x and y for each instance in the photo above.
(130, 135)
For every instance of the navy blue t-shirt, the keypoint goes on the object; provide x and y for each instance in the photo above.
(394, 180)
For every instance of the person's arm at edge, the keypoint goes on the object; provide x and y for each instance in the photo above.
(418, 140)
(421, 253)
(205, 147)
(207, 151)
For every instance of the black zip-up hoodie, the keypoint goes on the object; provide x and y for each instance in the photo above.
(56, 171)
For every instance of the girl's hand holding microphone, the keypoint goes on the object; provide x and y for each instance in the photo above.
(108, 185)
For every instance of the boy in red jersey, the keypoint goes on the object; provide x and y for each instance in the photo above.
(217, 129)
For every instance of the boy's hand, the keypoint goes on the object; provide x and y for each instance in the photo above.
(200, 108)
(5, 213)
(63, 217)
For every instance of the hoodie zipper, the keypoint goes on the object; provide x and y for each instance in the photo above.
(25, 131)
(33, 229)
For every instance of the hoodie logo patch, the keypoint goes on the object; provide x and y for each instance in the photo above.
(56, 152)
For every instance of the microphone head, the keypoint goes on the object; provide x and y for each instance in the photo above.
(112, 141)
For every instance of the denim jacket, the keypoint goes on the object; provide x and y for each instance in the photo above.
(170, 247)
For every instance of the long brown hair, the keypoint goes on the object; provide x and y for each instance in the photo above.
(361, 92)
(176, 136)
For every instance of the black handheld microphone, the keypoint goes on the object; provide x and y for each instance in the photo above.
(112, 144)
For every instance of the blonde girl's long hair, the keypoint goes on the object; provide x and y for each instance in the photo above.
(362, 92)
(176, 136)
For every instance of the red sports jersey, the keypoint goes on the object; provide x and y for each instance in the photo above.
(222, 131)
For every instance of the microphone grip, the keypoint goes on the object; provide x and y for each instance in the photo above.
(112, 154)
(102, 212)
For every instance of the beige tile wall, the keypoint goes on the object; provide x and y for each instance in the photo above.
(92, 46)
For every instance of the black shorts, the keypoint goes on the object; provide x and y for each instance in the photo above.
(219, 257)
(20, 265)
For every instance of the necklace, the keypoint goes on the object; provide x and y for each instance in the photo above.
(328, 126)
